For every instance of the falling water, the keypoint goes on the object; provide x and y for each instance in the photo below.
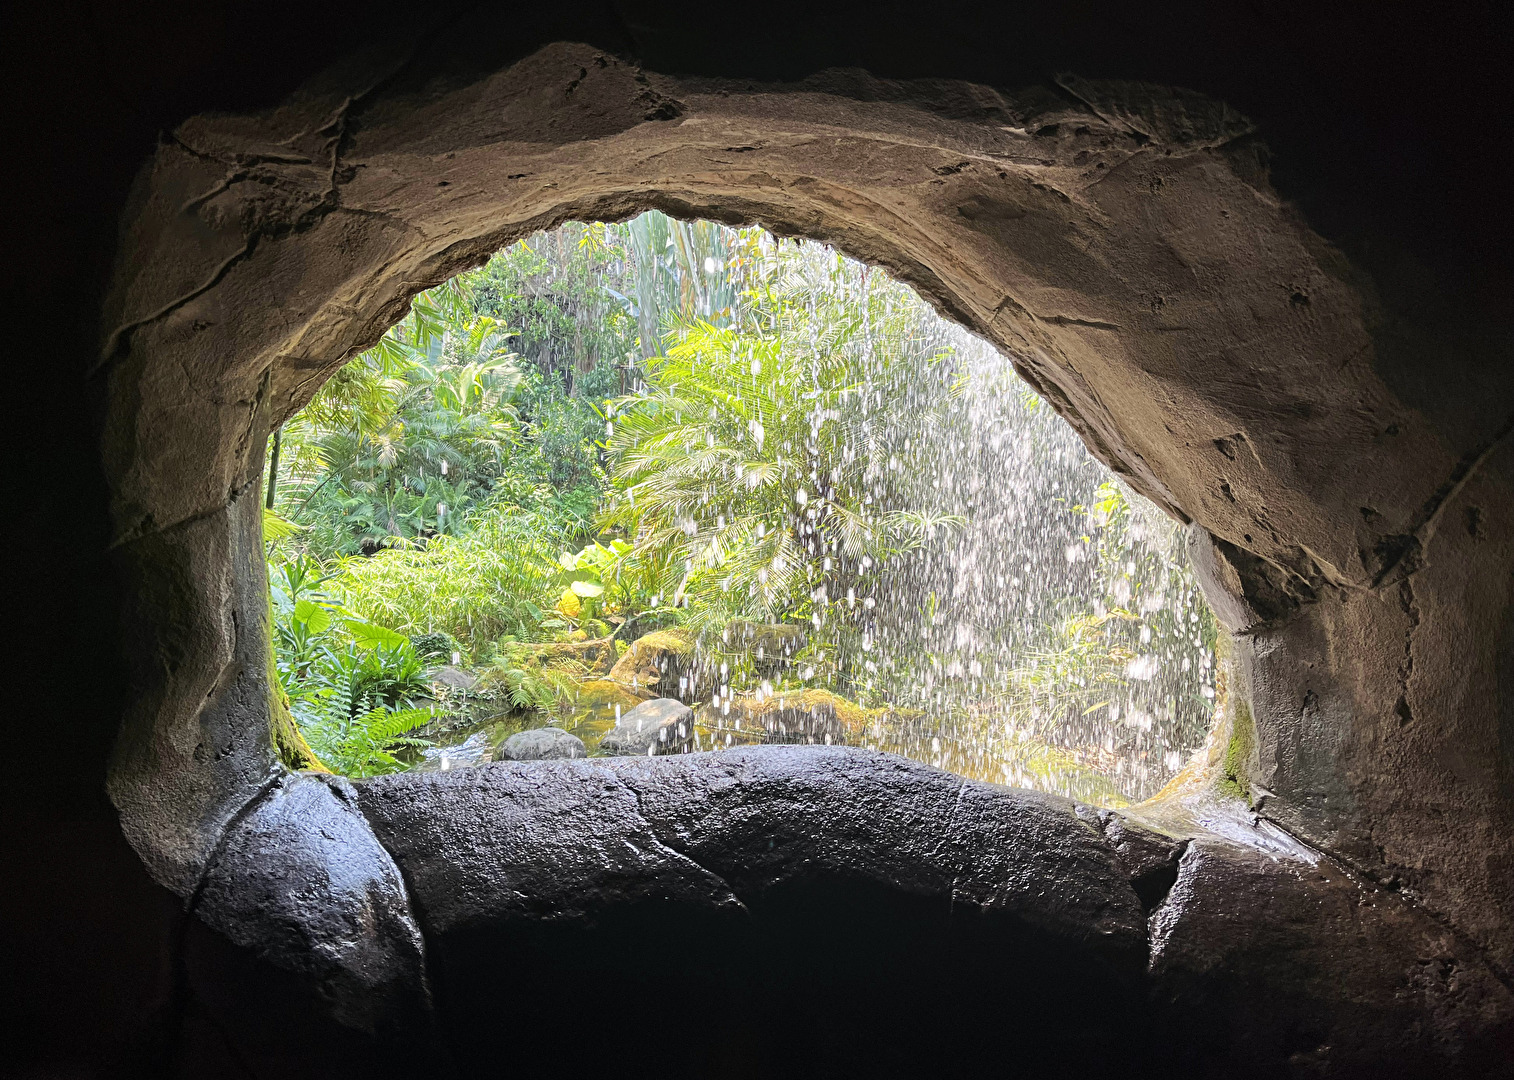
(1058, 640)
(1046, 632)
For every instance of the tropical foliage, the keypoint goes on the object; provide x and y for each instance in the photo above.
(613, 428)
(752, 473)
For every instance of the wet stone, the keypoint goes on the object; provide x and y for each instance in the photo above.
(664, 660)
(541, 744)
(769, 645)
(660, 726)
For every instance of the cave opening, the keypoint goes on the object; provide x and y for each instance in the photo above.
(665, 486)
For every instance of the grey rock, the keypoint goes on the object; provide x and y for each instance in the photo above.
(1208, 955)
(659, 726)
(1341, 977)
(302, 883)
(189, 760)
(511, 842)
(551, 840)
(871, 897)
(541, 744)
(1147, 858)
(454, 677)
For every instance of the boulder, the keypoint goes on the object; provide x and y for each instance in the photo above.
(592, 692)
(540, 744)
(1087, 941)
(456, 678)
(301, 882)
(664, 661)
(661, 726)
(770, 645)
(796, 715)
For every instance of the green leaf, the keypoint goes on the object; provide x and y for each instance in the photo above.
(317, 618)
(276, 528)
(587, 589)
(369, 636)
(568, 560)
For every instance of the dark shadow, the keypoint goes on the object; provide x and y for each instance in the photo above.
(833, 979)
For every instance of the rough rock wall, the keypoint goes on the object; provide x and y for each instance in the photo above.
(1120, 241)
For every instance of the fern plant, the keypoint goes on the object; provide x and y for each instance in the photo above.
(356, 705)
(365, 744)
(527, 688)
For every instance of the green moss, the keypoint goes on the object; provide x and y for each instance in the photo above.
(574, 657)
(900, 714)
(796, 708)
(288, 742)
(677, 642)
(1235, 776)
(656, 659)
(605, 692)
(853, 718)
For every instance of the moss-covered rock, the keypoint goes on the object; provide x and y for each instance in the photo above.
(289, 742)
(607, 692)
(794, 715)
(769, 645)
(584, 658)
(1240, 749)
(664, 661)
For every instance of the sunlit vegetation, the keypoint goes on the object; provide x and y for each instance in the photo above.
(781, 460)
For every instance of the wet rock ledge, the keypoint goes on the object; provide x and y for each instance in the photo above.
(834, 907)
(820, 911)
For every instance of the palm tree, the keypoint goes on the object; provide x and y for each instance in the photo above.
(404, 439)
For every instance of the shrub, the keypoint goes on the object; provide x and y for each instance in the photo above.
(435, 645)
(500, 578)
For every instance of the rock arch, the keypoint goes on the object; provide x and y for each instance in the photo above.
(1120, 241)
